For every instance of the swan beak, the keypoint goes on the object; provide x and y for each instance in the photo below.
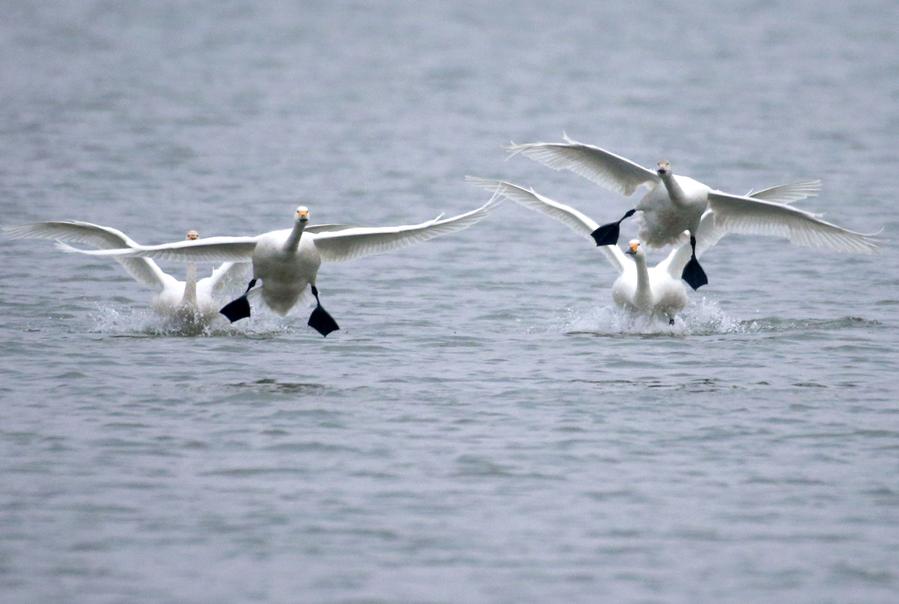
(303, 214)
(192, 235)
(632, 248)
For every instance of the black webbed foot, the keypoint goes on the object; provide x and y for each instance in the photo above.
(693, 274)
(608, 234)
(320, 320)
(240, 308)
(237, 309)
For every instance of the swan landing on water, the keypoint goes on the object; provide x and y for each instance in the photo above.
(287, 261)
(675, 204)
(655, 291)
(190, 301)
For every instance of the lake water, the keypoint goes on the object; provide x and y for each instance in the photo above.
(485, 426)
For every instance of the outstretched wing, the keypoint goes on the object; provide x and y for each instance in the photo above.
(738, 214)
(602, 167)
(574, 219)
(142, 270)
(787, 194)
(337, 246)
(211, 249)
(228, 275)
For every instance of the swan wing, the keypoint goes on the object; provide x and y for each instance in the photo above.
(226, 276)
(574, 219)
(602, 167)
(211, 249)
(787, 194)
(739, 214)
(337, 246)
(324, 228)
(142, 270)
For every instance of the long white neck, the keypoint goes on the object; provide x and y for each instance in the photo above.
(674, 189)
(190, 285)
(643, 295)
(293, 240)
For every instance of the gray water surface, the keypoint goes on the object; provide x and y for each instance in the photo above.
(485, 426)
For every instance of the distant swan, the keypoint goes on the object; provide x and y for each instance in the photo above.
(675, 204)
(190, 300)
(288, 260)
(653, 291)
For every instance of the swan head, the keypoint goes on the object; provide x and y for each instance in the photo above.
(302, 214)
(192, 235)
(634, 249)
(663, 168)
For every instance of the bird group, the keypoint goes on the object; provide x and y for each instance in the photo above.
(676, 210)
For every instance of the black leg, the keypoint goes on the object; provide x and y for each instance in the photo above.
(693, 273)
(240, 308)
(320, 320)
(607, 234)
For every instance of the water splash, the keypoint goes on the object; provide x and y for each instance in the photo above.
(702, 317)
(143, 322)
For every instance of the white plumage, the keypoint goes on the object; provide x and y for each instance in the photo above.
(655, 291)
(287, 261)
(675, 203)
(191, 300)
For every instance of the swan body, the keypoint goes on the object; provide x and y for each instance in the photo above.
(651, 291)
(655, 291)
(674, 204)
(192, 299)
(287, 261)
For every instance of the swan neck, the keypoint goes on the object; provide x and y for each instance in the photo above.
(675, 192)
(190, 285)
(643, 288)
(293, 240)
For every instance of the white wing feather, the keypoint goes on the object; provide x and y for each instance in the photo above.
(574, 219)
(787, 194)
(602, 167)
(142, 270)
(738, 214)
(338, 246)
(211, 249)
(226, 276)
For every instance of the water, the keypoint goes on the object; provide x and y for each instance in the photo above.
(484, 427)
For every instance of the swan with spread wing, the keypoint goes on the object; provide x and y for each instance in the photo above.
(190, 300)
(675, 203)
(287, 261)
(655, 291)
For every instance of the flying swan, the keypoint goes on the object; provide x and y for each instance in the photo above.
(288, 260)
(675, 204)
(190, 300)
(654, 291)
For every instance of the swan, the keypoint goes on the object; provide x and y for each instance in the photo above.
(655, 291)
(288, 260)
(676, 203)
(190, 300)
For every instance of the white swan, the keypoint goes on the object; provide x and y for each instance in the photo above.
(189, 300)
(288, 260)
(676, 203)
(654, 291)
